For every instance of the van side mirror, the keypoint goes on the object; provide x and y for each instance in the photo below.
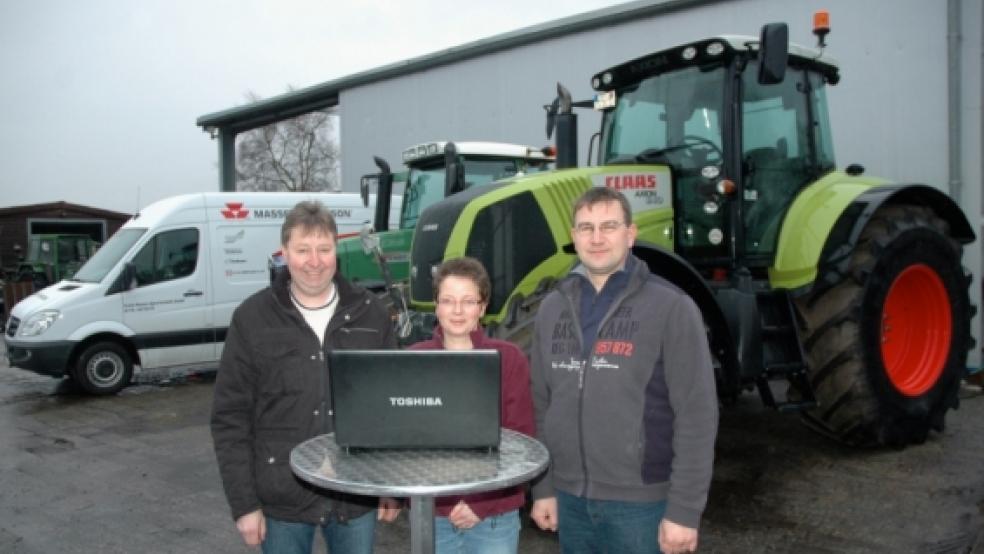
(126, 280)
(773, 53)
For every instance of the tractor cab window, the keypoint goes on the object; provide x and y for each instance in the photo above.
(425, 183)
(673, 118)
(67, 251)
(41, 250)
(482, 171)
(676, 119)
(169, 255)
(785, 146)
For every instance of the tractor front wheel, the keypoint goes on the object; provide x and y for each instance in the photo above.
(887, 345)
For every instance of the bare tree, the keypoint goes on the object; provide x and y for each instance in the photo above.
(299, 154)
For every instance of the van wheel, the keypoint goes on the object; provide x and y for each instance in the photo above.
(104, 368)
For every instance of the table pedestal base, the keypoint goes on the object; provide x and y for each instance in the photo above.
(421, 524)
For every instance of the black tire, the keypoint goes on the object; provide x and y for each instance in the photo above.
(860, 401)
(103, 368)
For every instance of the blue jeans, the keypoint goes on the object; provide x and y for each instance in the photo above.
(493, 535)
(603, 526)
(352, 537)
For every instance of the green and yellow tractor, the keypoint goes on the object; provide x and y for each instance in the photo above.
(433, 171)
(847, 288)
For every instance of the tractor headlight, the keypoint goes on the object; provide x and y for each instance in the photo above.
(39, 323)
(715, 49)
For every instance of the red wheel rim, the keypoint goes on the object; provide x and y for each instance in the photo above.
(916, 329)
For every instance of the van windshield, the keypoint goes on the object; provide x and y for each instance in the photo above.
(108, 255)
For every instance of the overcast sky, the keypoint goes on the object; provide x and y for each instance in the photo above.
(98, 98)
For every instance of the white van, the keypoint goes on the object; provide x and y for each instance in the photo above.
(160, 293)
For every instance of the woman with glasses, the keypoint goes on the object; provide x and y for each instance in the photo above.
(482, 523)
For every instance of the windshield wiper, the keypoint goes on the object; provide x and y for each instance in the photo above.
(655, 154)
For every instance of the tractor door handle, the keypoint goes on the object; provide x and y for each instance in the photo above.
(193, 293)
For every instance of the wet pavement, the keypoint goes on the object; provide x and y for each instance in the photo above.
(135, 473)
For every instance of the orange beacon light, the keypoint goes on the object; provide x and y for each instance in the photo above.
(821, 26)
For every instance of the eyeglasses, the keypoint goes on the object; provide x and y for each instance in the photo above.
(464, 303)
(588, 229)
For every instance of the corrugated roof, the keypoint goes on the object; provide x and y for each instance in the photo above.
(325, 95)
(62, 205)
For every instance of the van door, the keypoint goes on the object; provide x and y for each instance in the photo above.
(168, 308)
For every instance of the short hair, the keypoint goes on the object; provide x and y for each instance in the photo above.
(600, 195)
(309, 216)
(468, 268)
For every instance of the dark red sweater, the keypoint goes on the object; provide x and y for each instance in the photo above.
(516, 412)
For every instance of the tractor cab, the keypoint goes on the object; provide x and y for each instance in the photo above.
(740, 142)
(51, 258)
(437, 170)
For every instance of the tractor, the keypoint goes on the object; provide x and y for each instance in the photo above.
(434, 170)
(51, 258)
(837, 295)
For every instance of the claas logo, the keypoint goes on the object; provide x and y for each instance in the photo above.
(631, 181)
(235, 210)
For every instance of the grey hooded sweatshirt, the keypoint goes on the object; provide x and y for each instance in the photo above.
(637, 419)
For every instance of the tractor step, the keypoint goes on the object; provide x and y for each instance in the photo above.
(782, 353)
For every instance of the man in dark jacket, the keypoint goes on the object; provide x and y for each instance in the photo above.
(270, 394)
(624, 396)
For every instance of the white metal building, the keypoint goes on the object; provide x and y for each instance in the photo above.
(908, 106)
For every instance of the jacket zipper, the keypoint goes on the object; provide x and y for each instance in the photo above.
(580, 400)
(582, 371)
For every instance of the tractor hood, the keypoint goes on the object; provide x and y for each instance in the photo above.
(520, 225)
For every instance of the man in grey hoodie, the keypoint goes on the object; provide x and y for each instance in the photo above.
(624, 397)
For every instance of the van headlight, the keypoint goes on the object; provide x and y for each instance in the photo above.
(38, 323)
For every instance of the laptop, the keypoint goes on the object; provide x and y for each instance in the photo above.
(415, 398)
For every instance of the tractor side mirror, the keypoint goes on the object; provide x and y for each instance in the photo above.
(454, 171)
(773, 53)
(364, 183)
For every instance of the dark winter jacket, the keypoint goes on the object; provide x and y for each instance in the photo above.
(637, 419)
(516, 413)
(271, 394)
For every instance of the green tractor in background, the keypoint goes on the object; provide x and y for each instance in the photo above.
(434, 171)
(53, 257)
(846, 287)
(379, 259)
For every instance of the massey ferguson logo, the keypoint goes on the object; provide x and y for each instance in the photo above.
(235, 210)
(411, 401)
(630, 181)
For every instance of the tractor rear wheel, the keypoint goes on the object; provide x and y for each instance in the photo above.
(887, 344)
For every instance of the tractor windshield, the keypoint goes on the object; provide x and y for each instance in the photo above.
(41, 250)
(673, 118)
(425, 184)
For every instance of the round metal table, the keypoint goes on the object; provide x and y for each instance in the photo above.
(420, 474)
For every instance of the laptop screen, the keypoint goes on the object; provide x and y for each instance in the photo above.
(415, 398)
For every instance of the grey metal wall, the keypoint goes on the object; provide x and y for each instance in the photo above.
(889, 112)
